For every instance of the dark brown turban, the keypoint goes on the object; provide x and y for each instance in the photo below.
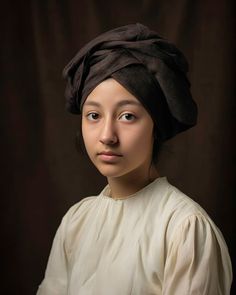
(148, 66)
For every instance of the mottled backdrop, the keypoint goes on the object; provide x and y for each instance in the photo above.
(42, 174)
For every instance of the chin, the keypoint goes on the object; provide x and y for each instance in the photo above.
(119, 169)
(107, 173)
(111, 171)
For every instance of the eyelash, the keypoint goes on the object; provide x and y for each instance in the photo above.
(90, 116)
(129, 114)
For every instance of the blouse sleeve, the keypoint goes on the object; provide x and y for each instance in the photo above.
(197, 260)
(55, 280)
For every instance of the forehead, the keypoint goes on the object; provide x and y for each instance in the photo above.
(110, 92)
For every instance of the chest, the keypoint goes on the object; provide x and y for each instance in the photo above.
(120, 257)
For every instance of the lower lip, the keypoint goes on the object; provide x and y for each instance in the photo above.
(108, 158)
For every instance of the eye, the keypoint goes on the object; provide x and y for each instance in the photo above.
(127, 117)
(92, 116)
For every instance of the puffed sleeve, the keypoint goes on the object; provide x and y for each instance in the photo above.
(55, 280)
(197, 261)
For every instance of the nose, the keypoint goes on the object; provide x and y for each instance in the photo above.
(108, 134)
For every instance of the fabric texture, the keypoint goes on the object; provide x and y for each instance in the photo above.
(157, 241)
(156, 59)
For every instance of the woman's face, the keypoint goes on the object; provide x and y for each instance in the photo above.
(117, 131)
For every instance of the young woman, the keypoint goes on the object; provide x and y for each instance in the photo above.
(140, 235)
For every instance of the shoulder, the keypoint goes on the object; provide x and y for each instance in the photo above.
(190, 233)
(168, 198)
(175, 210)
(76, 213)
(175, 200)
(196, 244)
(80, 208)
(75, 219)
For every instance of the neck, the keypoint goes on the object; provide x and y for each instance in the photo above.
(122, 187)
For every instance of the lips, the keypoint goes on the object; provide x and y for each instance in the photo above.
(109, 153)
(109, 156)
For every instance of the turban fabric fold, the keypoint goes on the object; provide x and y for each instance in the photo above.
(150, 67)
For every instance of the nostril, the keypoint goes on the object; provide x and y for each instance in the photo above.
(109, 141)
(108, 134)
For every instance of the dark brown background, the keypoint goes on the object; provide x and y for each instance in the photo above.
(42, 174)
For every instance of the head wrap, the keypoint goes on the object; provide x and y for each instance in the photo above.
(150, 67)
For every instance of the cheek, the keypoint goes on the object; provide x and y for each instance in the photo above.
(88, 137)
(139, 139)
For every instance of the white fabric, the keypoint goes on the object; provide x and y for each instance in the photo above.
(157, 241)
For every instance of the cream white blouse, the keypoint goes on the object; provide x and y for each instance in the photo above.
(157, 241)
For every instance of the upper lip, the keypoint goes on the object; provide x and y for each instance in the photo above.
(109, 153)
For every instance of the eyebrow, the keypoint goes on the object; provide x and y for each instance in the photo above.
(119, 104)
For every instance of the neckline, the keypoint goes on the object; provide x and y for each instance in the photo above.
(105, 194)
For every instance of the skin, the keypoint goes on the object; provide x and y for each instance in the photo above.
(114, 121)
